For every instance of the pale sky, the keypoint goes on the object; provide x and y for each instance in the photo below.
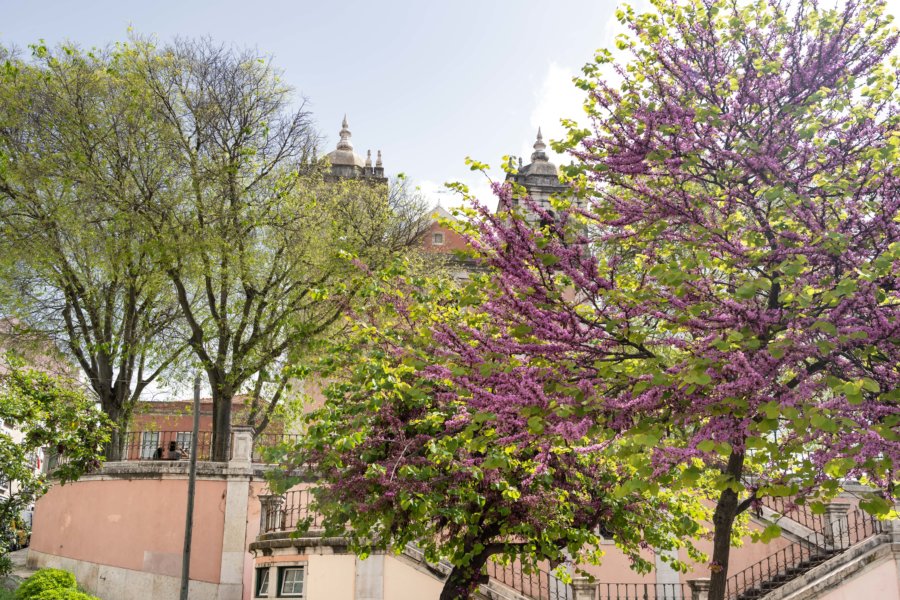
(427, 82)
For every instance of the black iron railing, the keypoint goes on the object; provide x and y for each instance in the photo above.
(539, 584)
(165, 445)
(294, 507)
(799, 513)
(792, 561)
(643, 591)
(264, 442)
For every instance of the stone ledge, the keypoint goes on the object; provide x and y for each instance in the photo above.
(153, 469)
(266, 544)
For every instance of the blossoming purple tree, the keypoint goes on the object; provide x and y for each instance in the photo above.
(443, 430)
(713, 311)
(736, 235)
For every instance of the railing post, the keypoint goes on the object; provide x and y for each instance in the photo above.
(835, 524)
(242, 448)
(893, 526)
(584, 589)
(270, 507)
(699, 588)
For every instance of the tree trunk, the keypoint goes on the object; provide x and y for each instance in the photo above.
(723, 523)
(463, 580)
(221, 433)
(115, 448)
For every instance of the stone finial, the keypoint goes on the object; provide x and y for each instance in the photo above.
(378, 159)
(345, 143)
(369, 159)
(539, 147)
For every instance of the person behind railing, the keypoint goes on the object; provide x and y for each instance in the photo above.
(176, 452)
(158, 454)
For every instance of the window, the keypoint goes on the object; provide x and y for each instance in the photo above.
(262, 582)
(183, 439)
(437, 239)
(149, 444)
(291, 582)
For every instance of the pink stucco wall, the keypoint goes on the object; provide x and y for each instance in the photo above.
(136, 524)
(253, 510)
(879, 581)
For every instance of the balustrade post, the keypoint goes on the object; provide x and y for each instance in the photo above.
(584, 589)
(836, 524)
(242, 446)
(269, 511)
(699, 588)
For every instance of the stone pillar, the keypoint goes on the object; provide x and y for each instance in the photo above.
(836, 531)
(269, 511)
(892, 527)
(699, 588)
(369, 578)
(242, 448)
(584, 588)
(237, 500)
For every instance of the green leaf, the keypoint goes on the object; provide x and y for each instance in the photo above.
(706, 446)
(548, 259)
(823, 422)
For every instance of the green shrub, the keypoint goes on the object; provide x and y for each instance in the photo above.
(45, 580)
(6, 567)
(64, 594)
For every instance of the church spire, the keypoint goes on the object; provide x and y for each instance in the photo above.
(345, 143)
(539, 147)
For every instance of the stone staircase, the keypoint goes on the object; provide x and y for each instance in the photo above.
(837, 533)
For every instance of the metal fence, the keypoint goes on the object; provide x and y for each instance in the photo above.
(264, 443)
(293, 508)
(539, 584)
(165, 445)
(799, 513)
(643, 591)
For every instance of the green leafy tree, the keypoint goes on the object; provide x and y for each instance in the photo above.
(45, 412)
(257, 246)
(75, 148)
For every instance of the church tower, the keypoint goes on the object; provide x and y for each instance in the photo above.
(345, 163)
(540, 177)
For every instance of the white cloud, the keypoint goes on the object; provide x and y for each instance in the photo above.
(436, 193)
(556, 98)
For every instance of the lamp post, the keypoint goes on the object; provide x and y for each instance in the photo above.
(192, 484)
